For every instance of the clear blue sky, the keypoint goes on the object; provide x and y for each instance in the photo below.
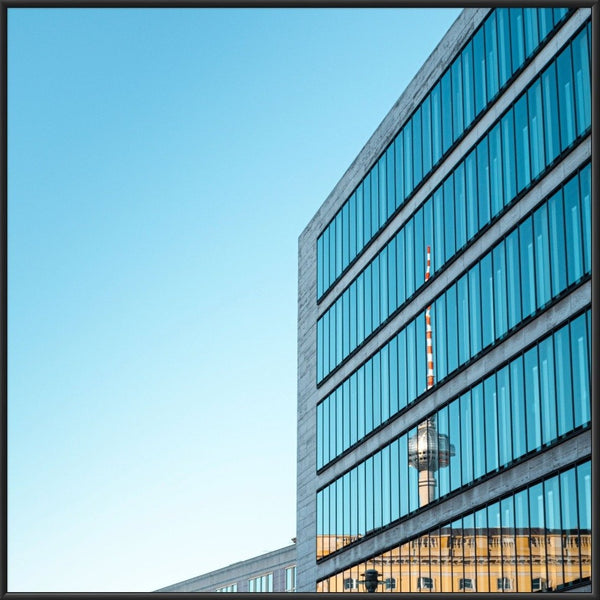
(161, 166)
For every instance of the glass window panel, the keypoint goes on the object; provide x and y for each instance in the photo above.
(411, 362)
(409, 252)
(472, 202)
(385, 383)
(460, 207)
(573, 232)
(326, 278)
(391, 277)
(417, 147)
(352, 226)
(346, 413)
(482, 548)
(332, 425)
(564, 393)
(404, 480)
(339, 426)
(326, 431)
(383, 201)
(503, 25)
(436, 124)
(504, 417)
(500, 297)
(522, 143)
(586, 212)
(353, 410)
(551, 120)
(536, 128)
(399, 169)
(532, 399)
(346, 509)
(332, 518)
(394, 398)
(452, 336)
(438, 223)
(531, 30)
(338, 243)
(542, 255)
(522, 533)
(319, 349)
(495, 170)
(386, 506)
(557, 243)
(580, 370)
(509, 555)
(517, 397)
(439, 333)
(320, 266)
(408, 159)
(565, 97)
(509, 170)
(426, 137)
(376, 289)
(360, 235)
(527, 268)
(428, 238)
(464, 346)
(369, 488)
(391, 179)
(362, 499)
(479, 431)
(546, 21)
(319, 436)
(491, 424)
(420, 249)
(375, 212)
(353, 315)
(400, 279)
(413, 483)
(450, 425)
(581, 69)
(465, 434)
(553, 531)
(360, 402)
(421, 354)
(449, 233)
(360, 309)
(339, 324)
(367, 279)
(468, 84)
(345, 301)
(513, 278)
(547, 370)
(475, 306)
(585, 516)
(394, 481)
(537, 523)
(479, 65)
(446, 111)
(402, 379)
(487, 299)
(368, 367)
(457, 98)
(345, 235)
(570, 525)
(377, 492)
(517, 38)
(491, 47)
(367, 209)
(483, 180)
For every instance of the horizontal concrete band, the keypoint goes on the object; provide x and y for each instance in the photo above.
(539, 465)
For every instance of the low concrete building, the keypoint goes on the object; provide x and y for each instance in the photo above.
(271, 572)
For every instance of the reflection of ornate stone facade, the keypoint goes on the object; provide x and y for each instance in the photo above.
(476, 560)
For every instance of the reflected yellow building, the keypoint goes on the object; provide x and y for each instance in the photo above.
(491, 560)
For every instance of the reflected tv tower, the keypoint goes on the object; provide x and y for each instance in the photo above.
(428, 450)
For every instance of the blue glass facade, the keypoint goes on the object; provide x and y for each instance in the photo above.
(506, 162)
(507, 39)
(476, 478)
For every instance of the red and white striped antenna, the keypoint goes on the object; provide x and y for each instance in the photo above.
(428, 329)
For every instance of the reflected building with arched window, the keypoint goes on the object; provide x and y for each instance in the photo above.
(444, 337)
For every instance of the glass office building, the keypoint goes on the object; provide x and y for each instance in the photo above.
(444, 431)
